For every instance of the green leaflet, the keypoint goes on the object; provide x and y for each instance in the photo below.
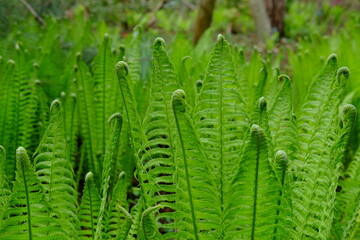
(197, 216)
(220, 117)
(89, 209)
(55, 172)
(255, 194)
(115, 121)
(159, 127)
(27, 205)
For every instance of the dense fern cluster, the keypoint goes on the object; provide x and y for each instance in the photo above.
(223, 157)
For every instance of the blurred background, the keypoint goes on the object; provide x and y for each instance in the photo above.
(283, 31)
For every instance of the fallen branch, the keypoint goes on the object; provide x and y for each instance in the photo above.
(33, 12)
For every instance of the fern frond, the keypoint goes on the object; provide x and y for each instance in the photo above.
(105, 86)
(55, 171)
(255, 199)
(316, 101)
(136, 132)
(115, 121)
(89, 209)
(315, 187)
(220, 117)
(149, 228)
(28, 215)
(282, 121)
(118, 221)
(18, 110)
(159, 128)
(198, 206)
(348, 197)
(87, 111)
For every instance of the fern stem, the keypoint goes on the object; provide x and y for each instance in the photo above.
(255, 129)
(21, 152)
(187, 175)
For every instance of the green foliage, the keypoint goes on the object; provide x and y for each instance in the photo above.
(240, 155)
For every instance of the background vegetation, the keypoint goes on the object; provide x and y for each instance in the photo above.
(125, 154)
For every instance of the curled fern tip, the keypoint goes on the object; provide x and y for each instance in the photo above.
(159, 42)
(122, 68)
(89, 177)
(55, 105)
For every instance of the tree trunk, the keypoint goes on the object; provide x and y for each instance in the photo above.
(276, 11)
(204, 18)
(262, 22)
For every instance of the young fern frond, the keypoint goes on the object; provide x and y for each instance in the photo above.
(105, 89)
(159, 128)
(85, 87)
(282, 122)
(220, 117)
(255, 205)
(117, 222)
(27, 205)
(115, 122)
(150, 229)
(315, 101)
(136, 134)
(315, 187)
(198, 208)
(347, 199)
(18, 104)
(55, 171)
(352, 230)
(89, 209)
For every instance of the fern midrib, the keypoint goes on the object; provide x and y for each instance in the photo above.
(279, 204)
(103, 98)
(221, 137)
(187, 179)
(73, 110)
(256, 185)
(27, 200)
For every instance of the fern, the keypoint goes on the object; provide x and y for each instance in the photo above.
(89, 209)
(255, 193)
(317, 178)
(85, 86)
(18, 109)
(197, 216)
(159, 128)
(220, 117)
(118, 223)
(28, 215)
(115, 121)
(55, 171)
(105, 87)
